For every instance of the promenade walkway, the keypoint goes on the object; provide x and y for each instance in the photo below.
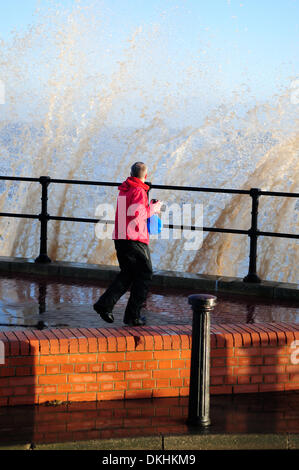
(27, 300)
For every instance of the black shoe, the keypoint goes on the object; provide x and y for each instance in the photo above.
(106, 316)
(141, 321)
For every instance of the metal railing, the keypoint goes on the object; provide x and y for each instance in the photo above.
(252, 232)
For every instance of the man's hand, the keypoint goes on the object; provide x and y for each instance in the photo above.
(156, 205)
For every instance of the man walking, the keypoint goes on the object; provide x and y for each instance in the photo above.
(131, 241)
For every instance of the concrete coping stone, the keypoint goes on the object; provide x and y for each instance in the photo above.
(161, 278)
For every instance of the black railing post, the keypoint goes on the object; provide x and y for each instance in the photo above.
(199, 394)
(253, 234)
(44, 217)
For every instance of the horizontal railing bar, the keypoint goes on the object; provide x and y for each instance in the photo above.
(277, 193)
(198, 189)
(19, 178)
(274, 234)
(154, 186)
(170, 226)
(78, 219)
(92, 183)
(23, 216)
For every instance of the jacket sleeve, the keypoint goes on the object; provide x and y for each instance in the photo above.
(139, 196)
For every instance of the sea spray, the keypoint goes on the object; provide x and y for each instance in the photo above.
(79, 105)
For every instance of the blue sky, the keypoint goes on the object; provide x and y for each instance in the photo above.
(265, 31)
(255, 42)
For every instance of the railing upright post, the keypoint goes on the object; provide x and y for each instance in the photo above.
(253, 234)
(199, 394)
(44, 217)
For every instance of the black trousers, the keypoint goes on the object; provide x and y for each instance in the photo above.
(135, 274)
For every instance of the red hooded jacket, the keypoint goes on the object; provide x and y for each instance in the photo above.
(132, 211)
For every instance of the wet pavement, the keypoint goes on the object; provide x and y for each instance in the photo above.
(30, 301)
(270, 415)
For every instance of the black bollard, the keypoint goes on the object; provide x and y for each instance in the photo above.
(199, 394)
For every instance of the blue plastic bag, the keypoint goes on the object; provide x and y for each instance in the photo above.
(154, 224)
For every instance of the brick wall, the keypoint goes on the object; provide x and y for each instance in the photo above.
(79, 365)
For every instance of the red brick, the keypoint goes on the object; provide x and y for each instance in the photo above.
(165, 364)
(282, 377)
(21, 381)
(20, 371)
(221, 389)
(53, 369)
(243, 379)
(178, 363)
(52, 379)
(134, 384)
(62, 341)
(184, 372)
(81, 368)
(217, 380)
(49, 389)
(253, 361)
(78, 388)
(248, 351)
(185, 341)
(22, 400)
(294, 377)
(272, 369)
(253, 388)
(165, 374)
(163, 355)
(221, 371)
(270, 378)
(64, 388)
(151, 364)
(10, 371)
(122, 385)
(59, 359)
(232, 361)
(67, 368)
(109, 366)
(165, 392)
(247, 370)
(222, 352)
(138, 375)
(103, 376)
(292, 368)
(121, 344)
(114, 395)
(82, 358)
(139, 356)
(161, 383)
(137, 365)
(270, 351)
(218, 361)
(230, 379)
(291, 386)
(90, 396)
(256, 379)
(271, 387)
(107, 386)
(185, 354)
(95, 367)
(138, 394)
(148, 383)
(82, 378)
(122, 366)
